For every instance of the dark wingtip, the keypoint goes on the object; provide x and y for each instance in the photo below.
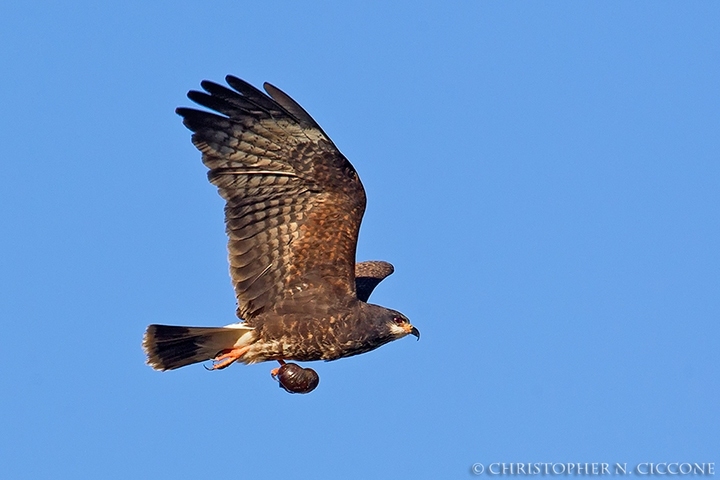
(368, 275)
(209, 85)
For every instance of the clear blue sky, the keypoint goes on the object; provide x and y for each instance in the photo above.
(545, 177)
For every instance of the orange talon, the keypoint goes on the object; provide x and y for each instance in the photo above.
(229, 357)
(275, 371)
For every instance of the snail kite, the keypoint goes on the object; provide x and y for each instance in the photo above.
(293, 209)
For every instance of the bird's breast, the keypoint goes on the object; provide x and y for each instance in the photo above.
(308, 339)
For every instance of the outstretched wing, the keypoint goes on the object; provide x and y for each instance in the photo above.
(293, 202)
(368, 275)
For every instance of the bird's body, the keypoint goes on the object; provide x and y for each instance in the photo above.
(293, 209)
(306, 337)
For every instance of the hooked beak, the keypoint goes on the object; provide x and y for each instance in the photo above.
(416, 332)
(411, 330)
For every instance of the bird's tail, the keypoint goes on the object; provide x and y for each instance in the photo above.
(169, 347)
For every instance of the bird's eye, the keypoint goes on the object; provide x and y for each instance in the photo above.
(399, 320)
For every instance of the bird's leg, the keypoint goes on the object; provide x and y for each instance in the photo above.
(275, 371)
(228, 357)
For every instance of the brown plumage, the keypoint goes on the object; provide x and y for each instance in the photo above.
(293, 209)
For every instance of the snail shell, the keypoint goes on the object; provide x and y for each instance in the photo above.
(295, 379)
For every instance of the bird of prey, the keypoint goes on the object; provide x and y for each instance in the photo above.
(293, 209)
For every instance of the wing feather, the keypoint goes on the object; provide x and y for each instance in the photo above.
(368, 275)
(294, 203)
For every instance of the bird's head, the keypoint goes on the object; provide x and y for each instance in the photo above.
(400, 326)
(379, 325)
(384, 325)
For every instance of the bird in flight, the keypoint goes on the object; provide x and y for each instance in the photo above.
(293, 209)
